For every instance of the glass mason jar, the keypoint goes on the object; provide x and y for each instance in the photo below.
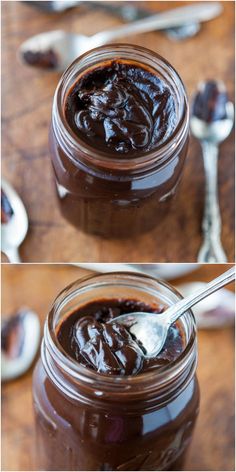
(114, 197)
(89, 421)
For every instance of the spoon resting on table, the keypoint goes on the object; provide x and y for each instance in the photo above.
(211, 123)
(151, 329)
(14, 222)
(56, 50)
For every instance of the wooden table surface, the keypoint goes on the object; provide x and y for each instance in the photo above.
(27, 100)
(213, 444)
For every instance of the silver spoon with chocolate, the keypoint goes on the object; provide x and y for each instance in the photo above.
(150, 330)
(57, 49)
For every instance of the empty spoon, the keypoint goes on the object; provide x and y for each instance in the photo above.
(65, 47)
(211, 122)
(15, 226)
(151, 329)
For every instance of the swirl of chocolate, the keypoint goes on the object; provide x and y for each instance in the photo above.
(122, 107)
(108, 348)
(125, 121)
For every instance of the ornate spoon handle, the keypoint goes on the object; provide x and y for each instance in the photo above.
(211, 249)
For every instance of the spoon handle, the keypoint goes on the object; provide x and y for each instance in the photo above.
(13, 255)
(201, 11)
(183, 305)
(211, 249)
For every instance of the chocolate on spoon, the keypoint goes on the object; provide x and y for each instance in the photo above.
(20, 337)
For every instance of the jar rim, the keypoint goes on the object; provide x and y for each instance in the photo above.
(113, 383)
(97, 157)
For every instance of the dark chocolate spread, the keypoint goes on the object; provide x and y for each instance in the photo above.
(121, 108)
(111, 348)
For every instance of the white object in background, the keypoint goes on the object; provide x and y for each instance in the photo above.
(216, 311)
(162, 271)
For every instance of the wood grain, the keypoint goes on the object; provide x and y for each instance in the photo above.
(213, 444)
(26, 105)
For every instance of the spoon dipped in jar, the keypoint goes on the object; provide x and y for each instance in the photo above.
(150, 330)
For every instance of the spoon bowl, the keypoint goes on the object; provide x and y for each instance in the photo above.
(149, 329)
(65, 47)
(14, 231)
(216, 131)
(19, 347)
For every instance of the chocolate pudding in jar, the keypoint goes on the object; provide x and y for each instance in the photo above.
(118, 140)
(99, 403)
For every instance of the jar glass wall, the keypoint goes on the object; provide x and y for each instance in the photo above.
(89, 421)
(108, 196)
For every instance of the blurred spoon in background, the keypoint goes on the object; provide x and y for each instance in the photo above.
(20, 337)
(14, 222)
(127, 11)
(54, 6)
(211, 123)
(57, 49)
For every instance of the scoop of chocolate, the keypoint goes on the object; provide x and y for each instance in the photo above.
(44, 59)
(108, 348)
(12, 335)
(20, 337)
(210, 101)
(6, 208)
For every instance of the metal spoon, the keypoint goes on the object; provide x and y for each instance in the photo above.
(211, 134)
(124, 10)
(14, 231)
(152, 329)
(67, 46)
